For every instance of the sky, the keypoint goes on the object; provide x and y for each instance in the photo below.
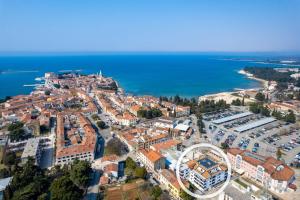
(150, 25)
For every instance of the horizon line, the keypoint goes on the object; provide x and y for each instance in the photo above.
(58, 53)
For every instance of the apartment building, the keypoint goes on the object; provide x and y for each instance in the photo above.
(266, 171)
(75, 139)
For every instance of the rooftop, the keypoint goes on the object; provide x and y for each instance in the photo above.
(207, 163)
(232, 117)
(255, 124)
(31, 148)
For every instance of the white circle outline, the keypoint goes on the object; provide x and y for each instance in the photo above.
(207, 195)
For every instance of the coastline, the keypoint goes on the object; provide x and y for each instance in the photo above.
(251, 76)
(229, 96)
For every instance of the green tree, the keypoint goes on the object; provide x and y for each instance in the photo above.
(185, 196)
(101, 124)
(10, 158)
(140, 172)
(260, 96)
(277, 114)
(17, 134)
(64, 189)
(4, 173)
(156, 192)
(236, 102)
(43, 196)
(129, 163)
(15, 126)
(254, 107)
(95, 117)
(278, 154)
(130, 167)
(265, 111)
(28, 182)
(290, 117)
(224, 145)
(149, 114)
(47, 92)
(56, 86)
(80, 173)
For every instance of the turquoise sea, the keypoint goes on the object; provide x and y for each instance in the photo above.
(185, 74)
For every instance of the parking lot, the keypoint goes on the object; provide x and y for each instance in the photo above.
(263, 139)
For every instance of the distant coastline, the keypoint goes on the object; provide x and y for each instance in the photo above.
(251, 76)
(188, 75)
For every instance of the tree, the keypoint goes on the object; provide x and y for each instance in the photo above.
(4, 173)
(64, 189)
(79, 173)
(115, 146)
(290, 117)
(101, 124)
(185, 196)
(156, 192)
(278, 154)
(95, 117)
(224, 145)
(10, 158)
(140, 172)
(259, 108)
(15, 126)
(260, 96)
(236, 102)
(277, 114)
(47, 92)
(17, 134)
(44, 129)
(149, 114)
(43, 196)
(130, 167)
(265, 111)
(129, 163)
(28, 182)
(57, 86)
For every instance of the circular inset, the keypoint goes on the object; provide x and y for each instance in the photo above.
(203, 145)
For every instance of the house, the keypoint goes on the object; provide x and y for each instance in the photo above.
(151, 159)
(168, 181)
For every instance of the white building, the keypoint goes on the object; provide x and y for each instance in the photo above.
(205, 173)
(32, 149)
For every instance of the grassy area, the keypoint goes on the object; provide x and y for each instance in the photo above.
(137, 189)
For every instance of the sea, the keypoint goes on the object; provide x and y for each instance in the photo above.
(158, 74)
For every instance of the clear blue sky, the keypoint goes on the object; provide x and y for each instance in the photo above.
(149, 25)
